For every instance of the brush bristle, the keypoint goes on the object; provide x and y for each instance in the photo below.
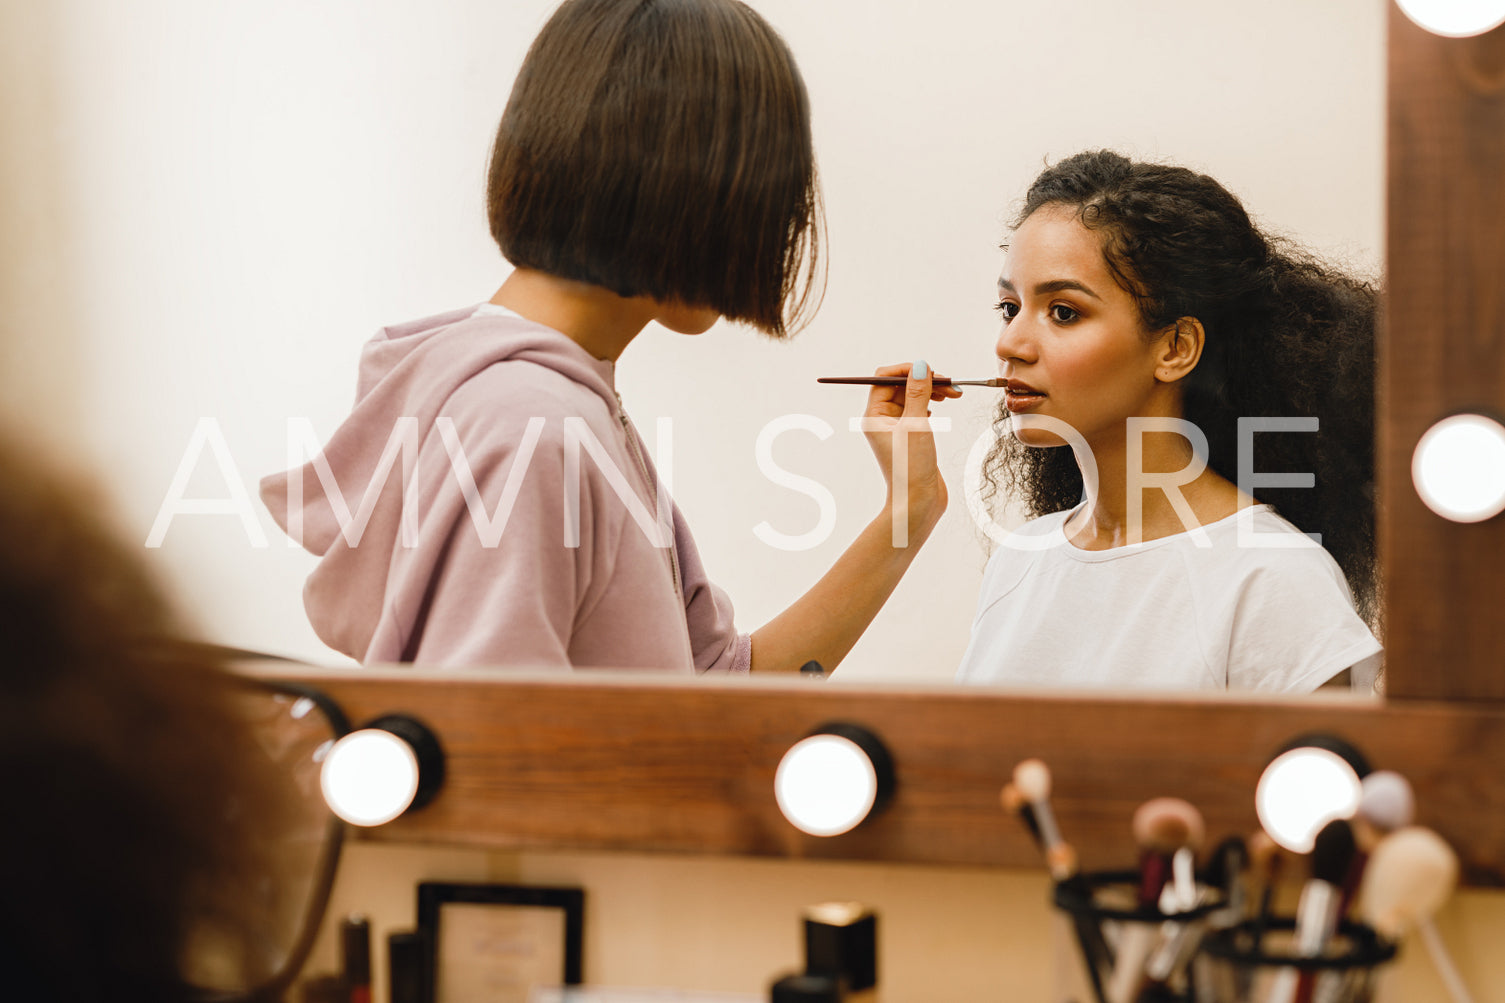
(1333, 851)
(1032, 778)
(1165, 825)
(1410, 875)
(1387, 801)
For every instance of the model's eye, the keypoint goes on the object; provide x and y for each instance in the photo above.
(1007, 309)
(1062, 314)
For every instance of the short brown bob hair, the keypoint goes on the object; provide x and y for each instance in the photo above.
(663, 148)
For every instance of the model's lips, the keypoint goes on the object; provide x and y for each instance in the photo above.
(1020, 396)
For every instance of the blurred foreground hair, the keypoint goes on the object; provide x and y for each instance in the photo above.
(130, 780)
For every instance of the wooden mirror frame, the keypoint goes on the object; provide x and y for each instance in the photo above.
(670, 765)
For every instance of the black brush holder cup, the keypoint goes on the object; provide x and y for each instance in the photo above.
(1257, 962)
(1111, 930)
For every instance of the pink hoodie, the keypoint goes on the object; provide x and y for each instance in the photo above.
(528, 414)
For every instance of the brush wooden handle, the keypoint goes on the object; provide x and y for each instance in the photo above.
(879, 381)
(899, 381)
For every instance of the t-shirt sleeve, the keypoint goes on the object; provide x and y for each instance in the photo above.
(1294, 625)
(715, 644)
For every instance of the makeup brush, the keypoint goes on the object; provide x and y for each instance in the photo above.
(1226, 869)
(1265, 859)
(1013, 802)
(1162, 828)
(1095, 952)
(899, 381)
(1386, 803)
(1317, 909)
(1060, 858)
(1032, 781)
(1411, 874)
(1178, 938)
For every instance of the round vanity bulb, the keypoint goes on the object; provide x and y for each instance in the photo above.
(370, 777)
(826, 784)
(1459, 468)
(1455, 18)
(1301, 791)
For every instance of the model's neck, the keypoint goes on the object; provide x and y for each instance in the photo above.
(1135, 498)
(596, 319)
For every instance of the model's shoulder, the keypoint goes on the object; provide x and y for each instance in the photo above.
(1261, 529)
(1266, 550)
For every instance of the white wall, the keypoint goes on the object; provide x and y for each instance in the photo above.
(206, 208)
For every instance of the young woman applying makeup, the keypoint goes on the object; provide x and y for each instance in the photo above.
(654, 163)
(1141, 308)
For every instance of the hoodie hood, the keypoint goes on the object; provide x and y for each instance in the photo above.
(408, 373)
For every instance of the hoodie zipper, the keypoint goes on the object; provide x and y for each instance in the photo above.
(632, 444)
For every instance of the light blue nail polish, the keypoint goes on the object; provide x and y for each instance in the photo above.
(919, 370)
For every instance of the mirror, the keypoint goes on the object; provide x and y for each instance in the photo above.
(254, 935)
(209, 210)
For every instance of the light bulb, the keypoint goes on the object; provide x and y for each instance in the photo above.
(826, 784)
(1455, 18)
(1301, 791)
(370, 777)
(1459, 468)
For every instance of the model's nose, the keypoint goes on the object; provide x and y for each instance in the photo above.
(1015, 342)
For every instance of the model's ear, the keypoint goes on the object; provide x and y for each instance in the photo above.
(1179, 348)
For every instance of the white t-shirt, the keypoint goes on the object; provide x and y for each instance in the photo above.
(1245, 603)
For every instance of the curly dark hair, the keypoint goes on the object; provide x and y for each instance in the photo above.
(1287, 335)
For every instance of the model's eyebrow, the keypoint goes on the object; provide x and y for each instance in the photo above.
(1053, 286)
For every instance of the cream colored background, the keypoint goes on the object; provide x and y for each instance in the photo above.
(206, 208)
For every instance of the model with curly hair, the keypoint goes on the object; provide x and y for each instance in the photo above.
(1188, 420)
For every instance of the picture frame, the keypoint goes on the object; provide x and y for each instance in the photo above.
(498, 941)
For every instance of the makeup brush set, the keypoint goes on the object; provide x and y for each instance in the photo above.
(1180, 928)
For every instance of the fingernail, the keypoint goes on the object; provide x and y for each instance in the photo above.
(919, 370)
